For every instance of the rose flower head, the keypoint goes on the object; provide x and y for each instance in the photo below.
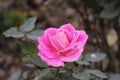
(61, 45)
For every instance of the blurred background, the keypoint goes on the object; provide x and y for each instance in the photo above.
(99, 18)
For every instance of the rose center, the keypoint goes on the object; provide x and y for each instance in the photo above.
(60, 40)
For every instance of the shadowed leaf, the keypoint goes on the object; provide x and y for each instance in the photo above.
(15, 75)
(36, 60)
(110, 12)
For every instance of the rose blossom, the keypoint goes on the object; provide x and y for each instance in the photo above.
(58, 46)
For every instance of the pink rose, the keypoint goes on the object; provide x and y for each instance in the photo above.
(61, 45)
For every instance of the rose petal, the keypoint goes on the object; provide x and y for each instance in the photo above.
(71, 49)
(53, 44)
(60, 40)
(44, 44)
(82, 37)
(46, 50)
(68, 27)
(47, 53)
(56, 62)
(68, 35)
(75, 36)
(49, 42)
(50, 31)
(73, 57)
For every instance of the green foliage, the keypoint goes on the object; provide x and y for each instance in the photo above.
(70, 78)
(30, 65)
(62, 70)
(82, 75)
(31, 55)
(110, 12)
(111, 9)
(24, 30)
(85, 75)
(25, 75)
(13, 32)
(114, 77)
(28, 25)
(36, 60)
(28, 48)
(97, 73)
(15, 75)
(94, 57)
(34, 34)
(83, 62)
(43, 73)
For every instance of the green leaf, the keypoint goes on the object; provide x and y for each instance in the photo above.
(44, 73)
(83, 62)
(94, 57)
(27, 48)
(82, 76)
(85, 75)
(69, 77)
(46, 3)
(62, 70)
(80, 58)
(15, 75)
(115, 77)
(36, 60)
(107, 3)
(98, 73)
(13, 32)
(70, 66)
(34, 34)
(110, 12)
(30, 65)
(28, 25)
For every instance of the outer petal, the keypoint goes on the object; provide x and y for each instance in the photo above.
(82, 37)
(56, 62)
(43, 43)
(68, 27)
(51, 40)
(45, 49)
(46, 40)
(50, 31)
(47, 53)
